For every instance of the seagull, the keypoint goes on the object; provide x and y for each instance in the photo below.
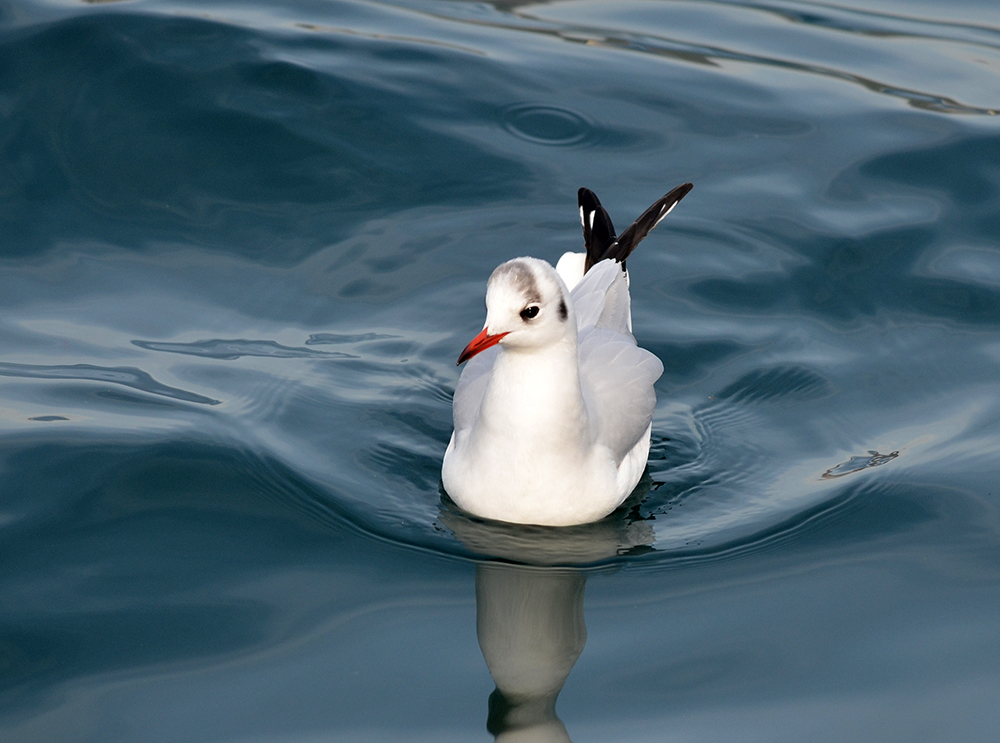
(553, 411)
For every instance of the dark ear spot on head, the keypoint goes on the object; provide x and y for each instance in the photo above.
(563, 312)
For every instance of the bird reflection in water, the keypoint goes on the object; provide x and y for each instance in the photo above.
(529, 611)
(531, 630)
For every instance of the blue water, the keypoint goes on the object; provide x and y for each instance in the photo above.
(243, 244)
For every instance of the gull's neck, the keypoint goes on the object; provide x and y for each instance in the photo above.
(534, 399)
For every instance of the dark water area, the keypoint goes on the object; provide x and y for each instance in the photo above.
(242, 245)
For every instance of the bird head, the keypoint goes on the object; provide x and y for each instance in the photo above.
(527, 306)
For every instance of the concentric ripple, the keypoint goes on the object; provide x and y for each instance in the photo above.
(548, 125)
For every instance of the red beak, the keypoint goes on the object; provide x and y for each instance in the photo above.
(480, 343)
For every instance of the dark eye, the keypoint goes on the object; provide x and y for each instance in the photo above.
(529, 312)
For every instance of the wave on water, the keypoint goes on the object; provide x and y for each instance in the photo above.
(125, 376)
(234, 349)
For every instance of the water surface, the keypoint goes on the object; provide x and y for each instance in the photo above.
(243, 245)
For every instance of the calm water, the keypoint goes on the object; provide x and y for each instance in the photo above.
(243, 244)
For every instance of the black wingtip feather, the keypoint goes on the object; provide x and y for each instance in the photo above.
(599, 237)
(598, 230)
(641, 227)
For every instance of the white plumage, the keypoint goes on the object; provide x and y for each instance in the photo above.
(553, 411)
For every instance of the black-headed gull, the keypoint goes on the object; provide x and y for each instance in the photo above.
(553, 412)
